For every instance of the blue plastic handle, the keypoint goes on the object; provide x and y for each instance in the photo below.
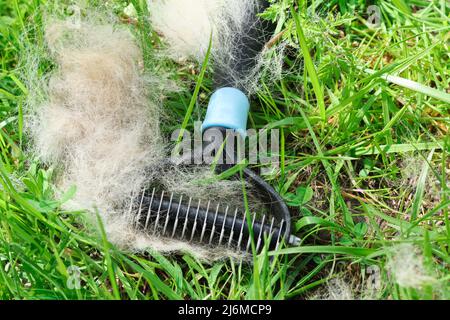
(228, 108)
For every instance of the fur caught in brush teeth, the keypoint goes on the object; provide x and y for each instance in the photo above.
(99, 126)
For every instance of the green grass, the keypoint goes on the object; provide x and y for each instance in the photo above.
(364, 118)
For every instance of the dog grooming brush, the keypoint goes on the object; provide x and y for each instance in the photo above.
(172, 216)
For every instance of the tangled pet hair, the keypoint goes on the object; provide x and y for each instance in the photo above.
(98, 123)
(189, 25)
(99, 126)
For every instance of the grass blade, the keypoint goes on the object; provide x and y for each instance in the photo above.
(420, 189)
(414, 86)
(311, 69)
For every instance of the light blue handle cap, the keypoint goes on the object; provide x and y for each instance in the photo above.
(228, 108)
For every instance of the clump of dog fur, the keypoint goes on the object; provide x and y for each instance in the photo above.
(406, 267)
(97, 124)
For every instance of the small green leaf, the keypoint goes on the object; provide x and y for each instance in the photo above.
(292, 200)
(346, 241)
(304, 194)
(364, 173)
(306, 212)
(317, 259)
(361, 229)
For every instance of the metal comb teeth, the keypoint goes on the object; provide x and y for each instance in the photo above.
(176, 217)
